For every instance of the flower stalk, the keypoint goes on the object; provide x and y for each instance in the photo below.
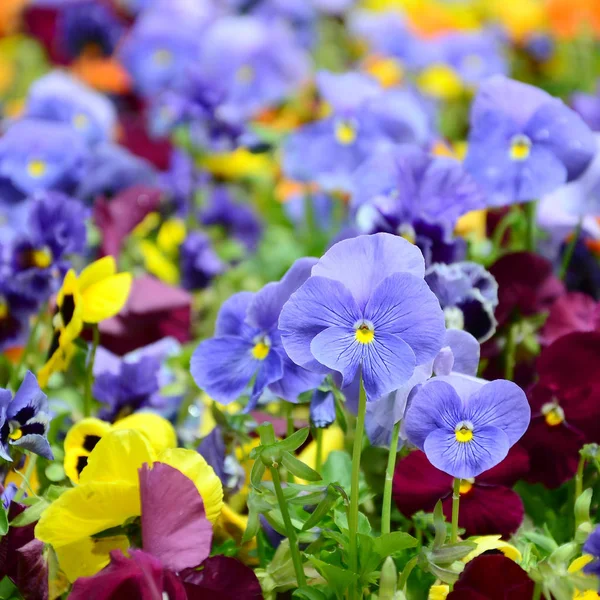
(455, 509)
(386, 510)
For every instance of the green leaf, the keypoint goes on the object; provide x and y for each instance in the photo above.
(368, 559)
(298, 468)
(339, 579)
(390, 543)
(338, 469)
(256, 475)
(309, 593)
(294, 441)
(3, 521)
(322, 508)
(439, 525)
(341, 520)
(31, 514)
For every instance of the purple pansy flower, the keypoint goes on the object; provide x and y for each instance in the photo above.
(365, 306)
(322, 408)
(407, 192)
(62, 98)
(247, 345)
(523, 142)
(15, 310)
(24, 419)
(592, 546)
(365, 119)
(468, 295)
(466, 425)
(199, 262)
(588, 107)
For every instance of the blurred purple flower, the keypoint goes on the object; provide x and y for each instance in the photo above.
(199, 262)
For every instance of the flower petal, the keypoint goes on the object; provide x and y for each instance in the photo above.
(232, 314)
(28, 396)
(500, 404)
(97, 271)
(466, 459)
(158, 431)
(337, 349)
(105, 299)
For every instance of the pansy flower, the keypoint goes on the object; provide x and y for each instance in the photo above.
(247, 345)
(39, 155)
(565, 407)
(523, 142)
(416, 196)
(365, 306)
(24, 419)
(62, 98)
(112, 492)
(592, 547)
(468, 295)
(570, 313)
(466, 425)
(199, 263)
(98, 293)
(15, 310)
(488, 504)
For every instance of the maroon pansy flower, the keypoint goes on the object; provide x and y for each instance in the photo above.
(572, 312)
(488, 504)
(565, 407)
(526, 285)
(492, 577)
(118, 217)
(154, 311)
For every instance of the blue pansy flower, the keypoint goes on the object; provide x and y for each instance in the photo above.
(468, 295)
(322, 408)
(407, 192)
(24, 420)
(523, 142)
(254, 64)
(592, 547)
(16, 308)
(7, 496)
(364, 119)
(199, 262)
(466, 425)
(60, 97)
(39, 155)
(247, 346)
(365, 306)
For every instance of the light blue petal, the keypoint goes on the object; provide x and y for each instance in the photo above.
(337, 349)
(232, 314)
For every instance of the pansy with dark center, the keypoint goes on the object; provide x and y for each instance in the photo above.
(24, 419)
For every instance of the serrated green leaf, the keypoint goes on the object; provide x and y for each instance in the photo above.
(31, 514)
(341, 520)
(257, 472)
(294, 441)
(390, 543)
(298, 468)
(339, 579)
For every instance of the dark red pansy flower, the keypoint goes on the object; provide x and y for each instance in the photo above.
(572, 312)
(154, 310)
(135, 137)
(565, 407)
(492, 577)
(526, 285)
(488, 505)
(118, 217)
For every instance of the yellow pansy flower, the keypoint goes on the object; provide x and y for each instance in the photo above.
(108, 496)
(438, 592)
(162, 256)
(98, 293)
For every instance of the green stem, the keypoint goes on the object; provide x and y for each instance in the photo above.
(408, 568)
(530, 212)
(26, 477)
(89, 373)
(14, 377)
(499, 232)
(569, 250)
(455, 507)
(509, 353)
(579, 478)
(319, 450)
(537, 591)
(386, 510)
(354, 491)
(289, 528)
(289, 418)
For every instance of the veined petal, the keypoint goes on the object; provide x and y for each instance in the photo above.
(30, 395)
(193, 466)
(501, 404)
(223, 367)
(318, 304)
(435, 405)
(96, 272)
(117, 458)
(232, 314)
(337, 349)
(104, 299)
(404, 306)
(464, 460)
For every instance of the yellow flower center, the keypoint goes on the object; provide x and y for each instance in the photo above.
(15, 435)
(36, 168)
(553, 414)
(407, 231)
(260, 350)
(162, 57)
(80, 121)
(464, 432)
(42, 258)
(365, 334)
(466, 485)
(345, 132)
(245, 74)
(520, 147)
